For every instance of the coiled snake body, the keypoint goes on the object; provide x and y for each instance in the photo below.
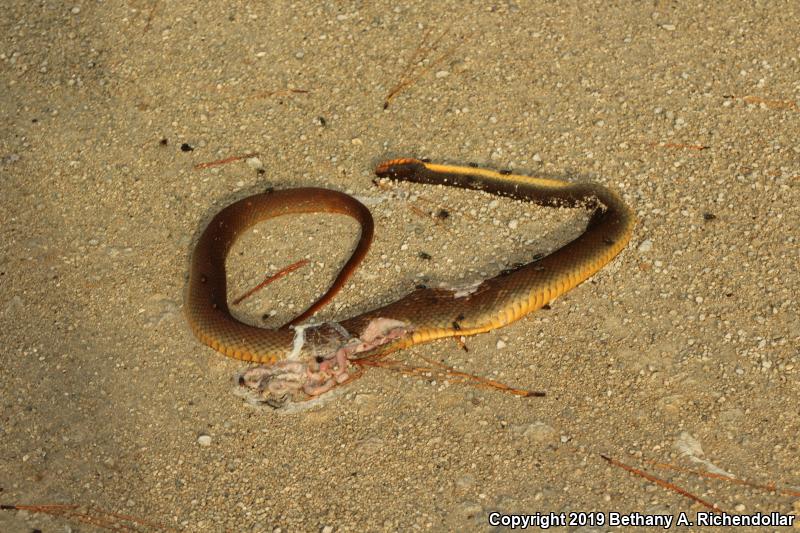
(308, 360)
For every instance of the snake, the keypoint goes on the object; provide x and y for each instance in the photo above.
(301, 359)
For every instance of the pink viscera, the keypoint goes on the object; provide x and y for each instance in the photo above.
(290, 376)
(378, 332)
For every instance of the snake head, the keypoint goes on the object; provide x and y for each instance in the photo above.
(289, 385)
(274, 385)
(276, 402)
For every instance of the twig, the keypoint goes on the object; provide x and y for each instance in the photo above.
(389, 186)
(422, 214)
(772, 104)
(283, 92)
(407, 80)
(380, 361)
(225, 161)
(698, 147)
(771, 486)
(149, 18)
(658, 481)
(269, 279)
(88, 515)
(481, 381)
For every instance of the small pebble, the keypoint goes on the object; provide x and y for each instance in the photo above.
(500, 344)
(255, 163)
(465, 482)
(645, 246)
(539, 432)
(204, 440)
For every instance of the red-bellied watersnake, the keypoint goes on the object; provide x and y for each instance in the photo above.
(314, 358)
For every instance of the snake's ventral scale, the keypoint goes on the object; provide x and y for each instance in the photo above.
(304, 361)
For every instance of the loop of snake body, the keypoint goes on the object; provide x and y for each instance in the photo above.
(311, 359)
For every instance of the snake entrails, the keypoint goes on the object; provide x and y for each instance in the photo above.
(308, 360)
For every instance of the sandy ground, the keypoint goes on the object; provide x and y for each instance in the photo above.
(684, 350)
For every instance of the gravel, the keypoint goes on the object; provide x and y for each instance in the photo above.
(109, 401)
